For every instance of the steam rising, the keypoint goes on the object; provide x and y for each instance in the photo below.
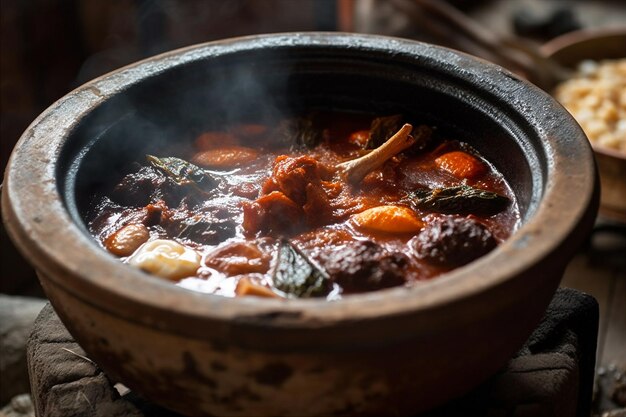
(163, 115)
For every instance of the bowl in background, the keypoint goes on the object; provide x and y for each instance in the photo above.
(600, 44)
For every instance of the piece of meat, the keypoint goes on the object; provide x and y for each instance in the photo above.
(112, 217)
(453, 242)
(155, 213)
(317, 208)
(274, 214)
(237, 258)
(365, 266)
(292, 175)
(293, 196)
(136, 188)
(382, 177)
(147, 185)
(208, 225)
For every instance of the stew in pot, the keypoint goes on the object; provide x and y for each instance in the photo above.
(322, 205)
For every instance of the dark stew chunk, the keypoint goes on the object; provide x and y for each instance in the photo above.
(453, 242)
(365, 266)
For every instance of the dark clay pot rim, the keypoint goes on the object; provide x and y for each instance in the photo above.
(41, 227)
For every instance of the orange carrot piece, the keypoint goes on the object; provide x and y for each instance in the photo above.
(461, 164)
(245, 286)
(212, 140)
(238, 258)
(250, 130)
(226, 157)
(388, 219)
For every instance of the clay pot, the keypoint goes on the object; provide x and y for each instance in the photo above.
(396, 351)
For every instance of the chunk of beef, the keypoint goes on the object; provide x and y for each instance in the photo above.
(237, 258)
(155, 213)
(294, 195)
(148, 185)
(365, 266)
(293, 175)
(136, 188)
(207, 225)
(274, 214)
(453, 242)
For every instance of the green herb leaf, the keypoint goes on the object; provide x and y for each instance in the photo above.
(184, 173)
(461, 199)
(382, 128)
(295, 274)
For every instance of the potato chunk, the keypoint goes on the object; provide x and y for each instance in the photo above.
(127, 239)
(238, 258)
(166, 259)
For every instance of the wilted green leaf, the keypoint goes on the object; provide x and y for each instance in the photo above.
(461, 199)
(296, 275)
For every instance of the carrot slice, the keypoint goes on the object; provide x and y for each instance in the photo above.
(245, 286)
(226, 157)
(127, 239)
(250, 130)
(238, 258)
(388, 219)
(212, 140)
(461, 164)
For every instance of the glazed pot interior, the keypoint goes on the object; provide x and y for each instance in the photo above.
(170, 108)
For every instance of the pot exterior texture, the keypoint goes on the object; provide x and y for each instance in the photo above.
(612, 170)
(397, 351)
(209, 377)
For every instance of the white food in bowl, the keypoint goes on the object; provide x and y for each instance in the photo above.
(596, 97)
